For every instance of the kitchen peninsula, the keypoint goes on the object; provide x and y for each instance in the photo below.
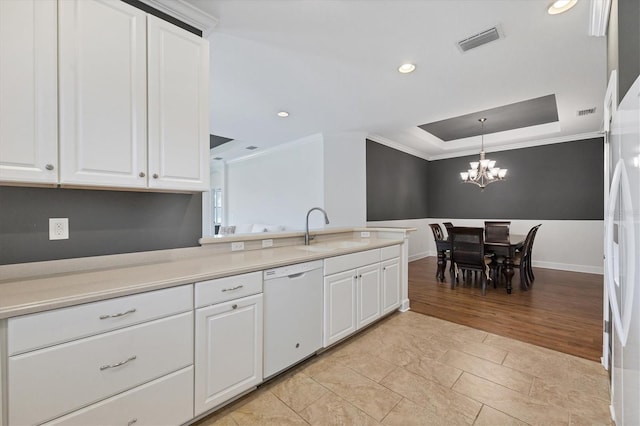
(116, 315)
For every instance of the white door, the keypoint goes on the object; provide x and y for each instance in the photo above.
(178, 108)
(622, 247)
(228, 351)
(390, 271)
(102, 93)
(29, 91)
(369, 294)
(339, 306)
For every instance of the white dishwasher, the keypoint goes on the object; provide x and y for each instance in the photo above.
(292, 315)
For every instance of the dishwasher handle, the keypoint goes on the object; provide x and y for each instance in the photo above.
(299, 274)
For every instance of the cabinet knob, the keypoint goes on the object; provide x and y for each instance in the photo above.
(141, 174)
(297, 345)
(234, 306)
(155, 176)
(49, 167)
(132, 421)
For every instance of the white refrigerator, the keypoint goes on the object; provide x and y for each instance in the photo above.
(622, 255)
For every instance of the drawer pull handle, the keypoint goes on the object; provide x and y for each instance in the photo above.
(118, 364)
(233, 288)
(132, 421)
(121, 314)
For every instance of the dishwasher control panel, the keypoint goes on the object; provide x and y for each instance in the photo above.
(298, 268)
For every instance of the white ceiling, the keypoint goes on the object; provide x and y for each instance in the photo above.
(332, 64)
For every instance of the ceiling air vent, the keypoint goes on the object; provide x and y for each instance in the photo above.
(479, 39)
(587, 111)
(251, 147)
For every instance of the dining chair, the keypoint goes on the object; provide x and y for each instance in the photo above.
(448, 226)
(497, 232)
(467, 253)
(522, 259)
(436, 229)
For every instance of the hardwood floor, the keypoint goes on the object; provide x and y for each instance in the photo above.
(562, 311)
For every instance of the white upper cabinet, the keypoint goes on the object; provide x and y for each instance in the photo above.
(178, 82)
(103, 93)
(28, 87)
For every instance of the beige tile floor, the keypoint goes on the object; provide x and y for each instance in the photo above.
(411, 369)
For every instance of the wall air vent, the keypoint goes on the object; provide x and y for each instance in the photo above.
(587, 111)
(251, 147)
(481, 38)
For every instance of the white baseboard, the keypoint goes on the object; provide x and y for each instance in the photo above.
(404, 306)
(422, 255)
(589, 269)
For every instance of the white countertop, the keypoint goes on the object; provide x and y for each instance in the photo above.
(44, 292)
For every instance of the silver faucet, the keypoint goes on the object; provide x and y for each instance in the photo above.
(306, 234)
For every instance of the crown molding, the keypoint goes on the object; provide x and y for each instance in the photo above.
(187, 13)
(527, 144)
(599, 17)
(397, 146)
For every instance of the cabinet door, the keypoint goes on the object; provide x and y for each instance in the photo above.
(339, 306)
(390, 271)
(102, 93)
(178, 108)
(29, 88)
(228, 355)
(368, 294)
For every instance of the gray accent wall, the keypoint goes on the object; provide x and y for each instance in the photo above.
(397, 184)
(623, 43)
(551, 182)
(100, 222)
(628, 44)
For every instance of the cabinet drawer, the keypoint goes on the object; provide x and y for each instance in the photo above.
(165, 401)
(387, 253)
(229, 288)
(43, 329)
(350, 261)
(50, 382)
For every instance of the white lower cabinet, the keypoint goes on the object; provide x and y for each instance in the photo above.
(359, 288)
(53, 381)
(228, 353)
(351, 301)
(167, 401)
(339, 306)
(390, 283)
(369, 307)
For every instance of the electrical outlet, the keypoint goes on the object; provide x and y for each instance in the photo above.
(365, 234)
(239, 245)
(267, 243)
(58, 228)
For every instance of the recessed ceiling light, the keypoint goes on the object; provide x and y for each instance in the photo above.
(406, 68)
(283, 114)
(560, 6)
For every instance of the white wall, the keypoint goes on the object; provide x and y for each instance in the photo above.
(277, 186)
(560, 244)
(345, 178)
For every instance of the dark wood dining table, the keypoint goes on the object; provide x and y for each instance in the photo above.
(507, 250)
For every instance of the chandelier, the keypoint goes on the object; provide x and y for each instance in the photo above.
(483, 172)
